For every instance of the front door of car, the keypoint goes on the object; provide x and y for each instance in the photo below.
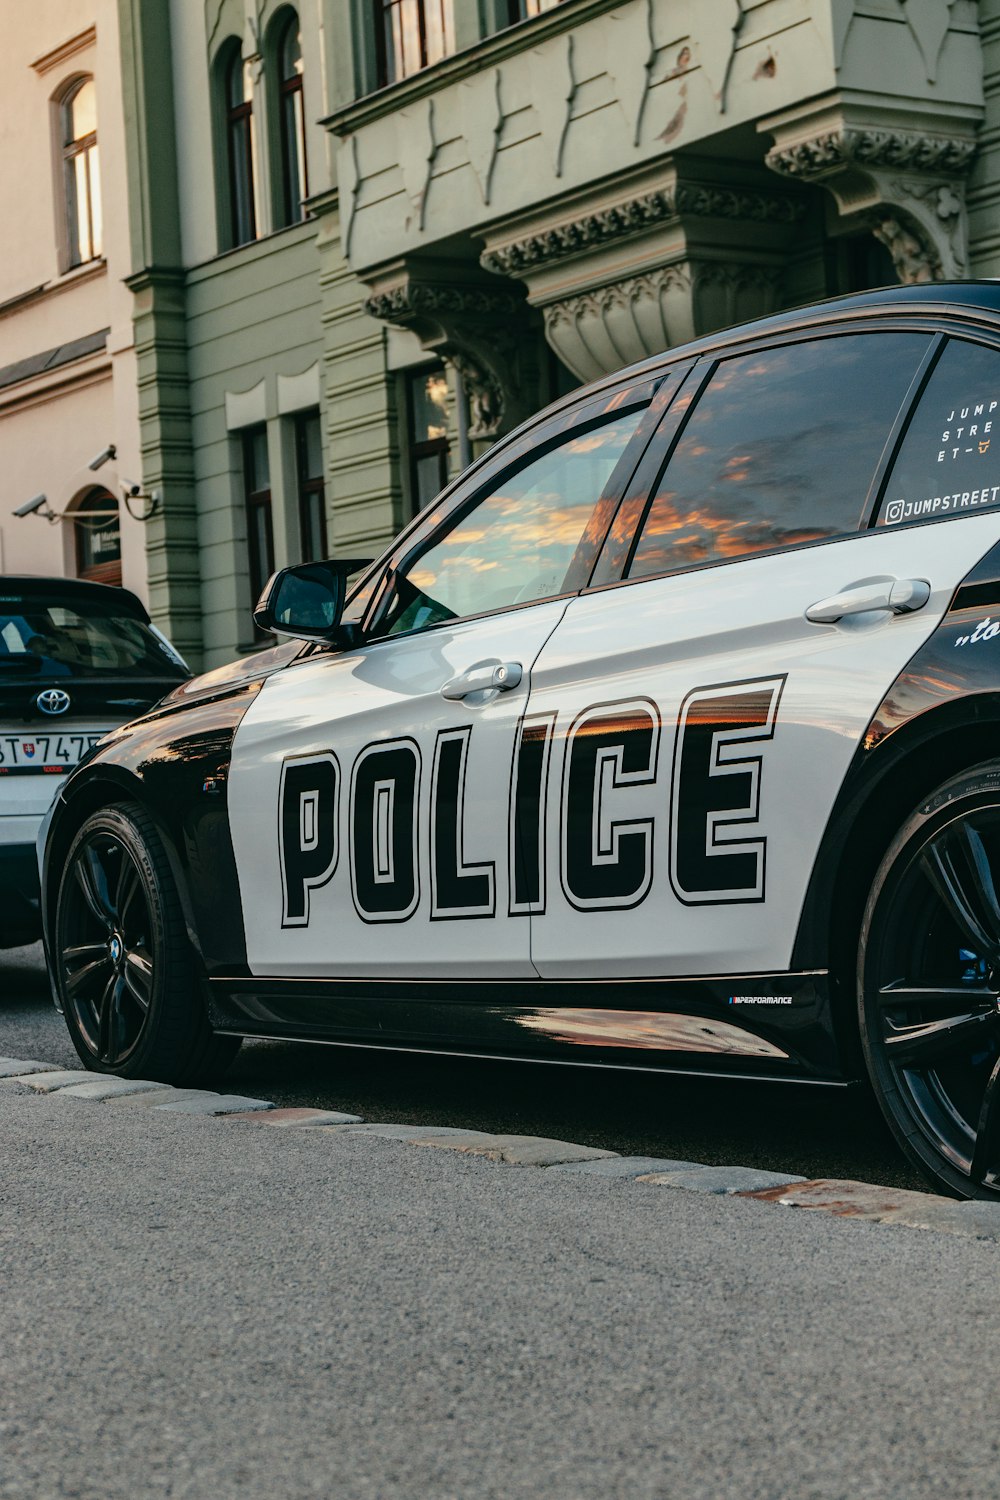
(699, 716)
(370, 789)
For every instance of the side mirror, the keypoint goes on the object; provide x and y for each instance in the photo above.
(307, 601)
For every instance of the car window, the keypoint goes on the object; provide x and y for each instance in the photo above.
(516, 544)
(779, 450)
(67, 639)
(949, 461)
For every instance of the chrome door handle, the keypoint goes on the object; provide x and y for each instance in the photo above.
(497, 677)
(899, 596)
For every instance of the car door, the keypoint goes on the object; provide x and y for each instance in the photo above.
(370, 788)
(702, 712)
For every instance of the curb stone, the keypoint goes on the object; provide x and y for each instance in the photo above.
(865, 1201)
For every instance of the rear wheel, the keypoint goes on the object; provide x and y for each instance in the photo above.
(125, 971)
(929, 985)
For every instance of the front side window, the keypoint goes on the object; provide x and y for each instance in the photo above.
(779, 451)
(295, 184)
(98, 538)
(949, 463)
(516, 545)
(260, 526)
(410, 35)
(312, 491)
(81, 173)
(240, 147)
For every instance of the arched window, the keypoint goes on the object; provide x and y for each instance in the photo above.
(81, 172)
(98, 538)
(238, 88)
(295, 181)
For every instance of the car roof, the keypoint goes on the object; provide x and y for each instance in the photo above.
(57, 590)
(947, 298)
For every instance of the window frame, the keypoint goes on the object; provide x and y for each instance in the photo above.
(611, 568)
(238, 121)
(291, 137)
(108, 572)
(307, 486)
(88, 147)
(256, 498)
(382, 12)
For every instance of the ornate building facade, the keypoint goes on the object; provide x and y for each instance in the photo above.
(370, 236)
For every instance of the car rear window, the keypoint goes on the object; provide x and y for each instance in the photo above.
(80, 638)
(949, 462)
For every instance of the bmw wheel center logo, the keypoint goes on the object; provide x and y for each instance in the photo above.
(53, 701)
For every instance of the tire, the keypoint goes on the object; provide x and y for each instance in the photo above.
(929, 985)
(126, 974)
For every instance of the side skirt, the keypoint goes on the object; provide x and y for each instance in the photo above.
(774, 1026)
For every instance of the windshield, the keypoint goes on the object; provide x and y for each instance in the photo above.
(64, 640)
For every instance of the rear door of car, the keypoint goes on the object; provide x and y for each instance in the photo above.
(697, 722)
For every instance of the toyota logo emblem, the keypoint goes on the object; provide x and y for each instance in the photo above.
(53, 701)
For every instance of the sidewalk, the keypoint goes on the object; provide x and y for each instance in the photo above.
(204, 1308)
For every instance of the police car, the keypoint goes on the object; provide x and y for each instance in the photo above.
(667, 737)
(76, 659)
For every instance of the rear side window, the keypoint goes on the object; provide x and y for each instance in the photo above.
(780, 450)
(949, 462)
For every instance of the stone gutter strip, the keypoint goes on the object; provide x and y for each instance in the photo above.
(863, 1201)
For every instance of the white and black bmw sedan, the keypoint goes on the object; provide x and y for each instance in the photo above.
(667, 737)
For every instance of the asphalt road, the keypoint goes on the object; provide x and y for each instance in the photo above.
(807, 1131)
(209, 1309)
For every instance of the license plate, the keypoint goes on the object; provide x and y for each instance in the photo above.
(45, 754)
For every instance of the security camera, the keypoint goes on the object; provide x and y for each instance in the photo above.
(30, 506)
(129, 488)
(105, 455)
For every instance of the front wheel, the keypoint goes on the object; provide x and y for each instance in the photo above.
(125, 971)
(929, 985)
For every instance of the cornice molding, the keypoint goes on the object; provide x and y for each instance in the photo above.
(911, 151)
(697, 200)
(65, 51)
(411, 298)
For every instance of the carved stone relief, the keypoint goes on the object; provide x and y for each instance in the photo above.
(625, 279)
(906, 186)
(483, 330)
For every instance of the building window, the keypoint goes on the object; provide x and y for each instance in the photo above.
(312, 493)
(427, 431)
(410, 35)
(295, 181)
(81, 173)
(98, 538)
(522, 10)
(240, 146)
(260, 528)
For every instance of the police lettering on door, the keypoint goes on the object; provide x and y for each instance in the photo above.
(398, 862)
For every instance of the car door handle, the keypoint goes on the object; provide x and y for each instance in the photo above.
(493, 677)
(900, 596)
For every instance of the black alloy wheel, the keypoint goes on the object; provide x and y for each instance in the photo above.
(125, 970)
(929, 985)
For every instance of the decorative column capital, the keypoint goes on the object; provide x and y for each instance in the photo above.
(477, 324)
(905, 184)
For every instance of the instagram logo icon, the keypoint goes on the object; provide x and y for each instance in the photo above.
(894, 511)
